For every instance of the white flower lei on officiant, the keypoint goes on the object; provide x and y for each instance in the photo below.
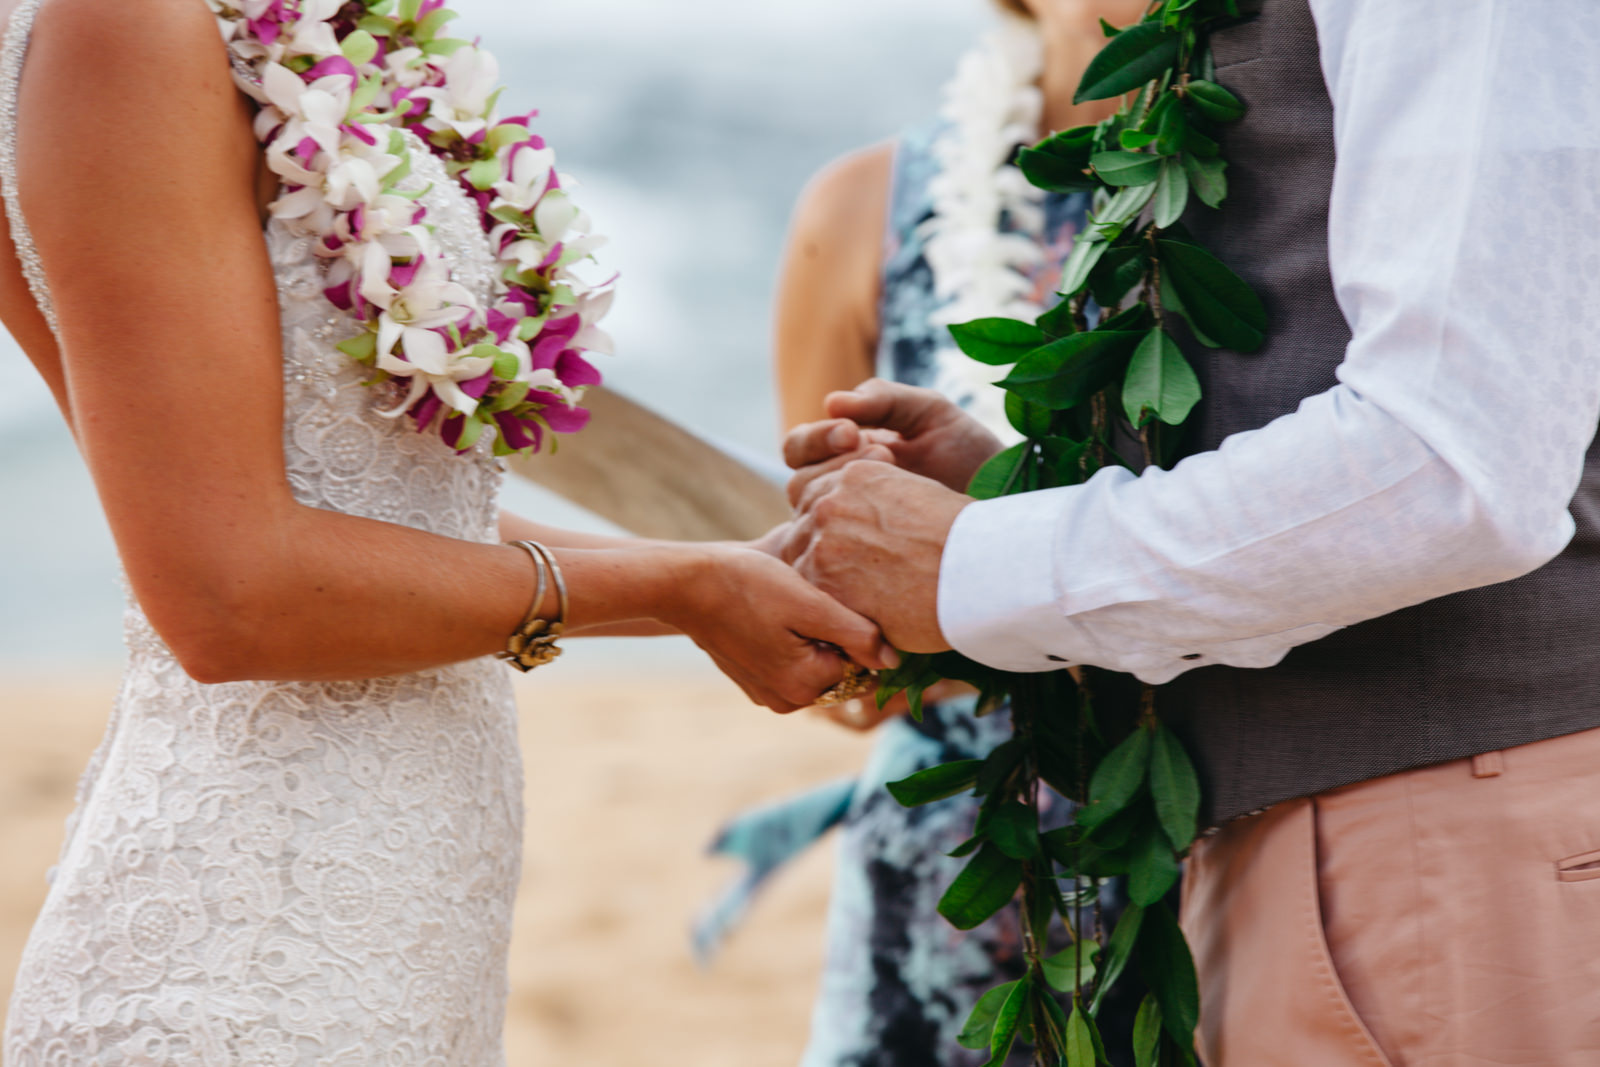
(348, 89)
(981, 270)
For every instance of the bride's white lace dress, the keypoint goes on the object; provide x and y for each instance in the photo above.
(275, 875)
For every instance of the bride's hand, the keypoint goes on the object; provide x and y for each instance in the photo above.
(766, 628)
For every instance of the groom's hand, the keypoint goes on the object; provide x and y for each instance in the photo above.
(920, 429)
(871, 536)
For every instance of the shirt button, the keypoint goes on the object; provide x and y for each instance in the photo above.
(1192, 655)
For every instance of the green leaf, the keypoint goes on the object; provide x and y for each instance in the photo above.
(1080, 1042)
(1146, 1032)
(1060, 162)
(1133, 317)
(362, 348)
(1168, 970)
(1072, 967)
(997, 341)
(1057, 322)
(1215, 299)
(513, 394)
(484, 173)
(445, 46)
(1067, 460)
(1172, 128)
(1124, 207)
(1208, 178)
(1172, 192)
(1007, 1021)
(430, 26)
(980, 1022)
(965, 849)
(1014, 829)
(1005, 758)
(1175, 788)
(1159, 382)
(999, 476)
(506, 365)
(1119, 270)
(1107, 29)
(1133, 140)
(935, 783)
(1119, 949)
(376, 25)
(1065, 373)
(359, 47)
(1029, 420)
(1087, 249)
(471, 430)
(1117, 780)
(1154, 869)
(1138, 54)
(1126, 168)
(985, 885)
(1215, 102)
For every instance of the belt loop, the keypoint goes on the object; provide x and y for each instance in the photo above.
(1488, 765)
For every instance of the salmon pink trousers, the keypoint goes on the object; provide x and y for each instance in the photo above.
(1447, 916)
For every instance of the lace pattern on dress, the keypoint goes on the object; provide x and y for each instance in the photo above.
(294, 874)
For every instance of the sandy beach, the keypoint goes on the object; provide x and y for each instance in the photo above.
(627, 781)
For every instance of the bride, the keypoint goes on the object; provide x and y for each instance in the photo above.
(293, 311)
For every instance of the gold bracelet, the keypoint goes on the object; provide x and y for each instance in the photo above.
(534, 642)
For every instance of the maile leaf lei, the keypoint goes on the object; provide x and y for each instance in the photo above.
(1098, 740)
(347, 91)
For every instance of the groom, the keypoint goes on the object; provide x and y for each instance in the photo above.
(1374, 584)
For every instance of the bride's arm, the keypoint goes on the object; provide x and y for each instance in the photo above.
(138, 174)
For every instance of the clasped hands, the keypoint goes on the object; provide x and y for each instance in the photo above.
(876, 490)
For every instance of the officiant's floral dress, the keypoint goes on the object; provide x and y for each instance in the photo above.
(899, 979)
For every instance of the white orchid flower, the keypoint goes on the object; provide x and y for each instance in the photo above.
(555, 215)
(314, 111)
(593, 306)
(406, 67)
(527, 177)
(529, 253)
(429, 363)
(471, 77)
(428, 300)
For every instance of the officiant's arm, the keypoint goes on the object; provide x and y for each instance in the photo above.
(826, 334)
(1444, 459)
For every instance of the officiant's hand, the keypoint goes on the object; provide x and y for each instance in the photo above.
(871, 535)
(919, 430)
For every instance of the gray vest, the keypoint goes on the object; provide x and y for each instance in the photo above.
(1475, 672)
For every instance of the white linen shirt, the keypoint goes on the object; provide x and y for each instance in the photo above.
(1464, 240)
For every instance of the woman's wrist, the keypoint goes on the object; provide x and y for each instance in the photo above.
(685, 582)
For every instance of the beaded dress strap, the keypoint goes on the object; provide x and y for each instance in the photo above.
(13, 51)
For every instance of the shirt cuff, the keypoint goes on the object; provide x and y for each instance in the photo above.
(998, 599)
(1003, 603)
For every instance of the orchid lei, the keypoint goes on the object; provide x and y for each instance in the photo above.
(984, 237)
(348, 89)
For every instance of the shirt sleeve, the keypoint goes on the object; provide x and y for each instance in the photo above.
(1464, 241)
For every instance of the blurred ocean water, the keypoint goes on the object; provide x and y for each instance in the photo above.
(691, 125)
